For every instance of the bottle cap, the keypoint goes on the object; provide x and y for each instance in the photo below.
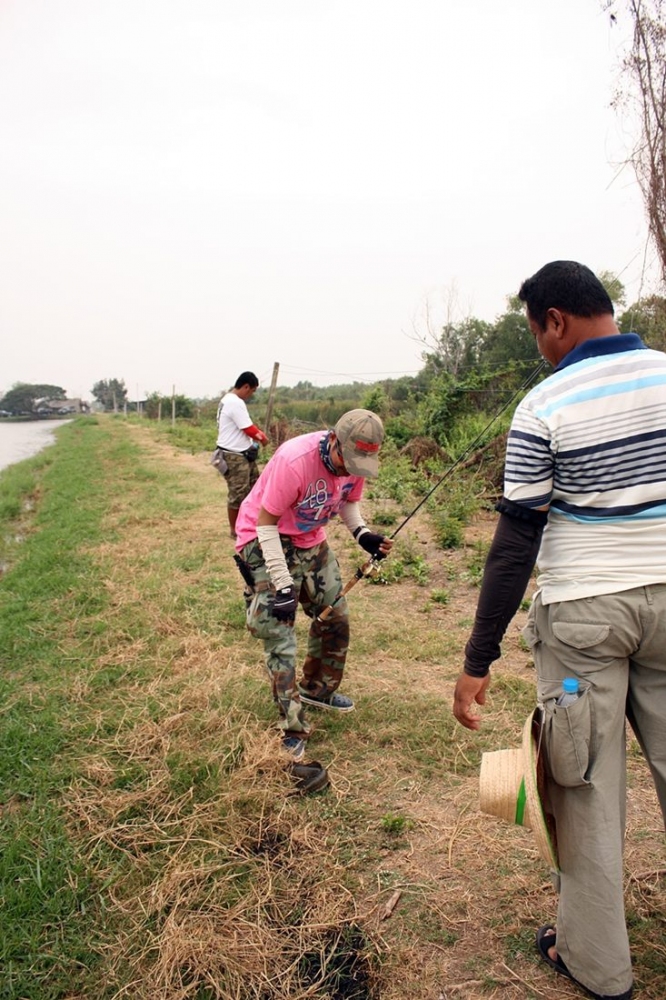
(570, 685)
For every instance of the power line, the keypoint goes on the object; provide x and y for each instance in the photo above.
(356, 376)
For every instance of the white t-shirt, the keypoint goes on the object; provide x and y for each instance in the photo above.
(232, 415)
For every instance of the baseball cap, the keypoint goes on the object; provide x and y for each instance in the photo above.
(359, 434)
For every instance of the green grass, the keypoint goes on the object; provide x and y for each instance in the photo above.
(50, 907)
(51, 915)
(476, 562)
(57, 623)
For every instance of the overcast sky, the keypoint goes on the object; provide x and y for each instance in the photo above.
(191, 188)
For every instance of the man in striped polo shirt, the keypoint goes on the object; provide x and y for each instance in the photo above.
(585, 498)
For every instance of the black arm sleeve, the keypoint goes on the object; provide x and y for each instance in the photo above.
(510, 562)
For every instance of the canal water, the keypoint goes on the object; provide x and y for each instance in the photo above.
(24, 439)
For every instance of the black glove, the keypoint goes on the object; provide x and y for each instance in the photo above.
(284, 604)
(371, 542)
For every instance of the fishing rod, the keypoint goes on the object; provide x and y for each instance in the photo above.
(474, 444)
(369, 568)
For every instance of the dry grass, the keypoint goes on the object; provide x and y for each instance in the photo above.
(229, 886)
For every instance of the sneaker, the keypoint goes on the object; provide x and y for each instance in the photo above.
(310, 777)
(333, 702)
(295, 747)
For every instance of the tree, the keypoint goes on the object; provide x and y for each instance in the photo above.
(648, 319)
(22, 396)
(451, 343)
(376, 400)
(509, 340)
(644, 88)
(303, 390)
(163, 406)
(614, 287)
(111, 393)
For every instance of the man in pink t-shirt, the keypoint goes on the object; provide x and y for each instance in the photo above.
(281, 544)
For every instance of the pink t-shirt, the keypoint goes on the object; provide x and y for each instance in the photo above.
(296, 486)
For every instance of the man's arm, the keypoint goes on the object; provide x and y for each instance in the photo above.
(377, 545)
(268, 537)
(283, 606)
(240, 415)
(254, 432)
(508, 568)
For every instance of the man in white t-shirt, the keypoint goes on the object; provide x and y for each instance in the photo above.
(238, 443)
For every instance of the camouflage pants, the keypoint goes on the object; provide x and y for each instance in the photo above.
(316, 576)
(241, 476)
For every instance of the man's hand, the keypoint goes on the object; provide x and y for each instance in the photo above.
(378, 546)
(254, 432)
(284, 604)
(469, 690)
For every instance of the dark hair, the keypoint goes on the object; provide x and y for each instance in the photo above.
(247, 378)
(564, 285)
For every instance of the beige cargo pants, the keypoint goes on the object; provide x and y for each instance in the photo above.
(615, 645)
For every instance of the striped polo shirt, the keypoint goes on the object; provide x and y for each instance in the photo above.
(590, 442)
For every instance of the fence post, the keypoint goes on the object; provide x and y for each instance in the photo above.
(271, 395)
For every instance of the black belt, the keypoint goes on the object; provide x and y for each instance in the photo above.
(249, 453)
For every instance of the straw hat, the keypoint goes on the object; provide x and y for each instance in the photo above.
(512, 787)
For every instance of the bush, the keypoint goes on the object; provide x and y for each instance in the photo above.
(449, 530)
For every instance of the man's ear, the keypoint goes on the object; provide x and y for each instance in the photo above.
(556, 320)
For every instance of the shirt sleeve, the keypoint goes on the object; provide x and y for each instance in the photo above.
(356, 491)
(530, 460)
(240, 414)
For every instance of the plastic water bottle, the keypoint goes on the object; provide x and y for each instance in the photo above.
(569, 691)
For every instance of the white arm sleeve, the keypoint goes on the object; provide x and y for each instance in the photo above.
(268, 537)
(350, 513)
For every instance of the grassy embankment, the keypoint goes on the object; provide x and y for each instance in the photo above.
(149, 843)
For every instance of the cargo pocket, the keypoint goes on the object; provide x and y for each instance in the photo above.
(218, 460)
(570, 730)
(568, 736)
(529, 633)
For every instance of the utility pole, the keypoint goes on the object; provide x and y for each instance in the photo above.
(271, 395)
(173, 406)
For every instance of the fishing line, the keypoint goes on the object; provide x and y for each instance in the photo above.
(474, 444)
(372, 565)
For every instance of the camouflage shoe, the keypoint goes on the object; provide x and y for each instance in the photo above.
(295, 747)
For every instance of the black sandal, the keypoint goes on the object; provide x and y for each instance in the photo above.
(546, 938)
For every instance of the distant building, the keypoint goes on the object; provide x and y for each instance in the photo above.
(60, 407)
